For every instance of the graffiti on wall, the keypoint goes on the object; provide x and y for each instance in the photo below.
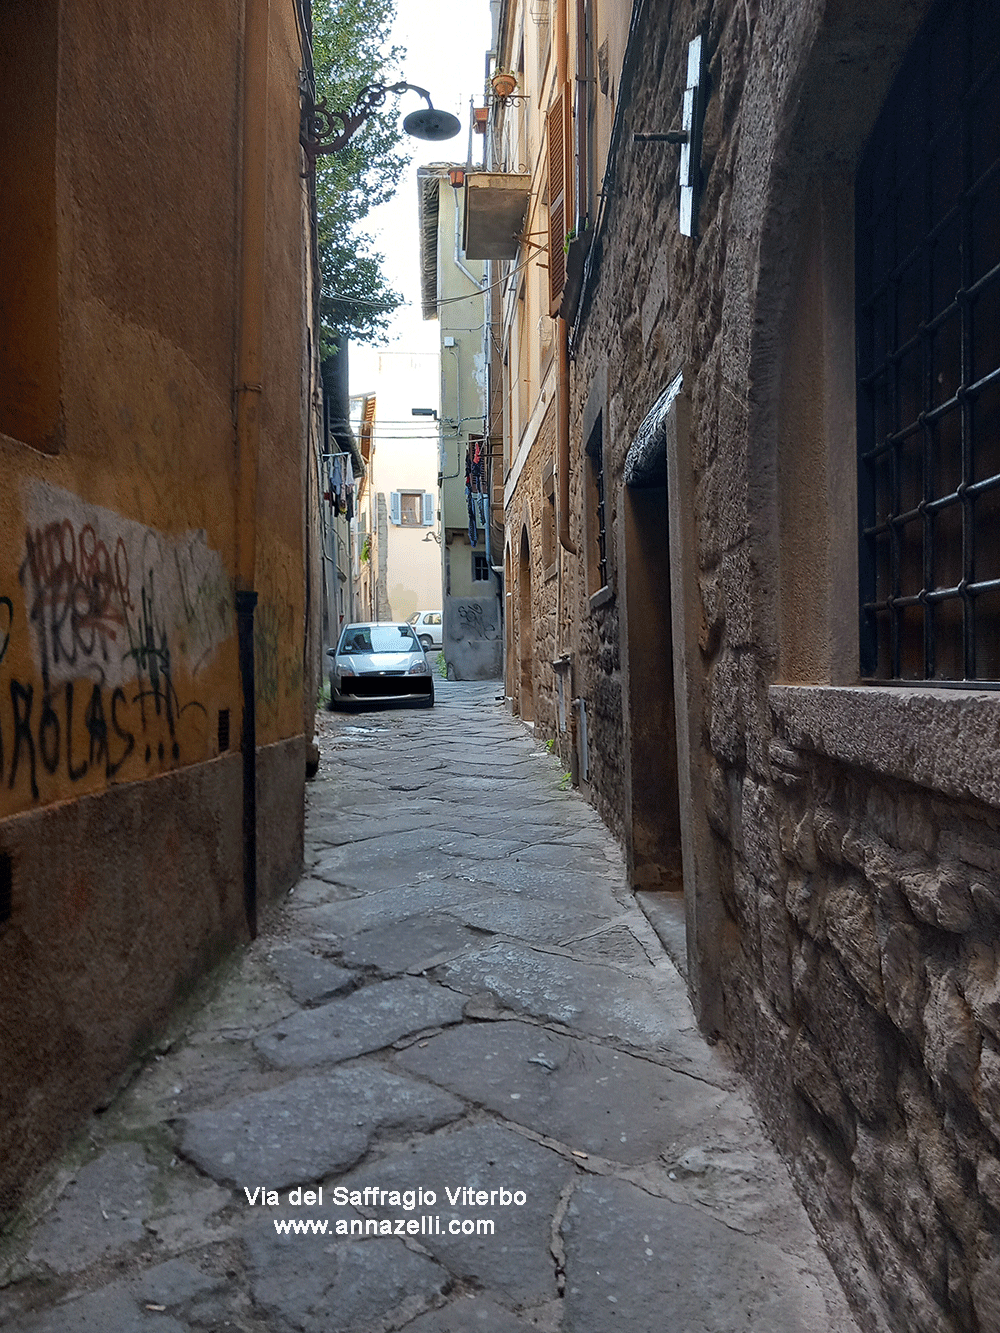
(112, 609)
(96, 585)
(472, 619)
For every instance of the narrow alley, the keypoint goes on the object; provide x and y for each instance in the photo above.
(463, 1030)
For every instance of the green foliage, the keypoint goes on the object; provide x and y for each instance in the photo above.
(351, 50)
(565, 781)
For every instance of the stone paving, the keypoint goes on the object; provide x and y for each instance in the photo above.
(463, 1030)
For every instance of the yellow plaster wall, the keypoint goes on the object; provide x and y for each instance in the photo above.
(117, 628)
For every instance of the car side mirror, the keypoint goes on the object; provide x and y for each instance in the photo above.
(331, 652)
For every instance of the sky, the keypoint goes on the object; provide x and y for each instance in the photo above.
(446, 43)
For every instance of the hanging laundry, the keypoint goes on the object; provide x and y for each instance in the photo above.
(337, 483)
(349, 487)
(476, 469)
(473, 532)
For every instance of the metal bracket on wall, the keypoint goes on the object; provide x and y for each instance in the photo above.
(688, 137)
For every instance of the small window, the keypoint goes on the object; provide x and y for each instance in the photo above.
(549, 520)
(596, 517)
(411, 509)
(928, 356)
(480, 568)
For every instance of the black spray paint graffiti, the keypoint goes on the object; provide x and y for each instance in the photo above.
(473, 623)
(150, 650)
(7, 615)
(76, 595)
(44, 733)
(78, 600)
(46, 738)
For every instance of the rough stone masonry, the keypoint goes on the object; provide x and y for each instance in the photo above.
(461, 1029)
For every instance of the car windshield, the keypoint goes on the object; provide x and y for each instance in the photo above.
(379, 639)
(413, 617)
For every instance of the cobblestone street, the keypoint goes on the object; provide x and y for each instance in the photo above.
(461, 1026)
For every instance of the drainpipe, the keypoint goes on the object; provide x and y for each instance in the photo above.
(562, 423)
(248, 411)
(562, 332)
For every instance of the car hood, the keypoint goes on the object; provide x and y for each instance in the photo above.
(362, 662)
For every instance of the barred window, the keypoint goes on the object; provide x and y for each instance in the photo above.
(928, 356)
(597, 537)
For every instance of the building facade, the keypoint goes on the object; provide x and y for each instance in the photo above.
(773, 586)
(399, 566)
(159, 433)
(471, 537)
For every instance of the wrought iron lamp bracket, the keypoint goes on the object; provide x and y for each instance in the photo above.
(324, 131)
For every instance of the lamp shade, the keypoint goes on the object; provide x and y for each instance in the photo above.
(429, 123)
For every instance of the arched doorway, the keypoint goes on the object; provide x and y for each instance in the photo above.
(525, 637)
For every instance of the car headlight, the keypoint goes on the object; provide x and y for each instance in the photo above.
(346, 668)
(419, 669)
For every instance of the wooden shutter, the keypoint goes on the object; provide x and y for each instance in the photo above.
(395, 507)
(558, 131)
(428, 514)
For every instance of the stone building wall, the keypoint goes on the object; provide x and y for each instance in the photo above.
(536, 631)
(840, 846)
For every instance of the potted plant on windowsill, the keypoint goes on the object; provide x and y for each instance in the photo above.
(576, 247)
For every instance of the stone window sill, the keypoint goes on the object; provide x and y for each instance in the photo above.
(601, 597)
(945, 740)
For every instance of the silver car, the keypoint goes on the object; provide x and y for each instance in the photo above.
(427, 628)
(379, 662)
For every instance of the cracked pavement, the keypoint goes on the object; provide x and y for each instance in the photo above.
(459, 1006)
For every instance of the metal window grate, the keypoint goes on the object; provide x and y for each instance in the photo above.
(595, 450)
(928, 354)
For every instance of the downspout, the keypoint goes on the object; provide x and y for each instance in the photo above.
(562, 332)
(248, 411)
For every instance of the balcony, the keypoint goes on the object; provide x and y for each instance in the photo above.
(496, 204)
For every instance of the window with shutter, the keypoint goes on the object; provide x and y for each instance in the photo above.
(558, 129)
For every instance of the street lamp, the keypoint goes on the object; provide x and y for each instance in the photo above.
(320, 133)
